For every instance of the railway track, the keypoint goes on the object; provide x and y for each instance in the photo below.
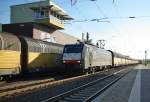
(16, 88)
(27, 87)
(89, 91)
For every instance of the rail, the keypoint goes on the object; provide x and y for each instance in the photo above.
(87, 92)
(29, 86)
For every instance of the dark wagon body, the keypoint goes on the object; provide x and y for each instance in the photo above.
(40, 56)
(22, 55)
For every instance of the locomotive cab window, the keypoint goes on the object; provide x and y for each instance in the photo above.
(73, 48)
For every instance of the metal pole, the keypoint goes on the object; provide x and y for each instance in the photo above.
(102, 43)
(145, 57)
(82, 37)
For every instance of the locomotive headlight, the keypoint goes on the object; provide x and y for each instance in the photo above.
(78, 61)
(64, 61)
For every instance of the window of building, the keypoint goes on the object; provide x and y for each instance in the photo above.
(47, 13)
(41, 13)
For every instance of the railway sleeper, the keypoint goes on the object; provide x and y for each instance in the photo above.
(63, 101)
(85, 93)
(89, 91)
(80, 98)
(77, 96)
(82, 95)
(73, 99)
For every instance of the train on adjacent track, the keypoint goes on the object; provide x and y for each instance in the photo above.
(20, 55)
(89, 58)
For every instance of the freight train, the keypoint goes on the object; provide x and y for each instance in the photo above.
(89, 58)
(22, 55)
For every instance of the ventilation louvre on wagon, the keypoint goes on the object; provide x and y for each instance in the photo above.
(9, 42)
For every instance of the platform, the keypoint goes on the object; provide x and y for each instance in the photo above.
(134, 87)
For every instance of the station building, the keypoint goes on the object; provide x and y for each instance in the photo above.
(40, 20)
(38, 31)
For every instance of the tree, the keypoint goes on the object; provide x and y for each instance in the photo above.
(87, 40)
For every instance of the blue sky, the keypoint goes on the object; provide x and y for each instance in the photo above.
(126, 35)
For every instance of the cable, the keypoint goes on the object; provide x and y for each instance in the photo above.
(104, 15)
(109, 21)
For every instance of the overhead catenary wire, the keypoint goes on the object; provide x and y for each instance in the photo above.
(120, 16)
(104, 15)
(81, 15)
(73, 2)
(109, 21)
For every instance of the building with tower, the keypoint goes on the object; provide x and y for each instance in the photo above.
(40, 20)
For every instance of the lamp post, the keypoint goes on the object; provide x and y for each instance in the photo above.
(82, 37)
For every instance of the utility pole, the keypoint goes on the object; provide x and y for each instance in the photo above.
(102, 43)
(145, 57)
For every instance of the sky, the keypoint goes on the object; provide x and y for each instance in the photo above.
(122, 33)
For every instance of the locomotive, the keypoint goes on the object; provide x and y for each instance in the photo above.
(89, 58)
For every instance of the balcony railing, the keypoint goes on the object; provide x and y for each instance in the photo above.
(51, 21)
(49, 17)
